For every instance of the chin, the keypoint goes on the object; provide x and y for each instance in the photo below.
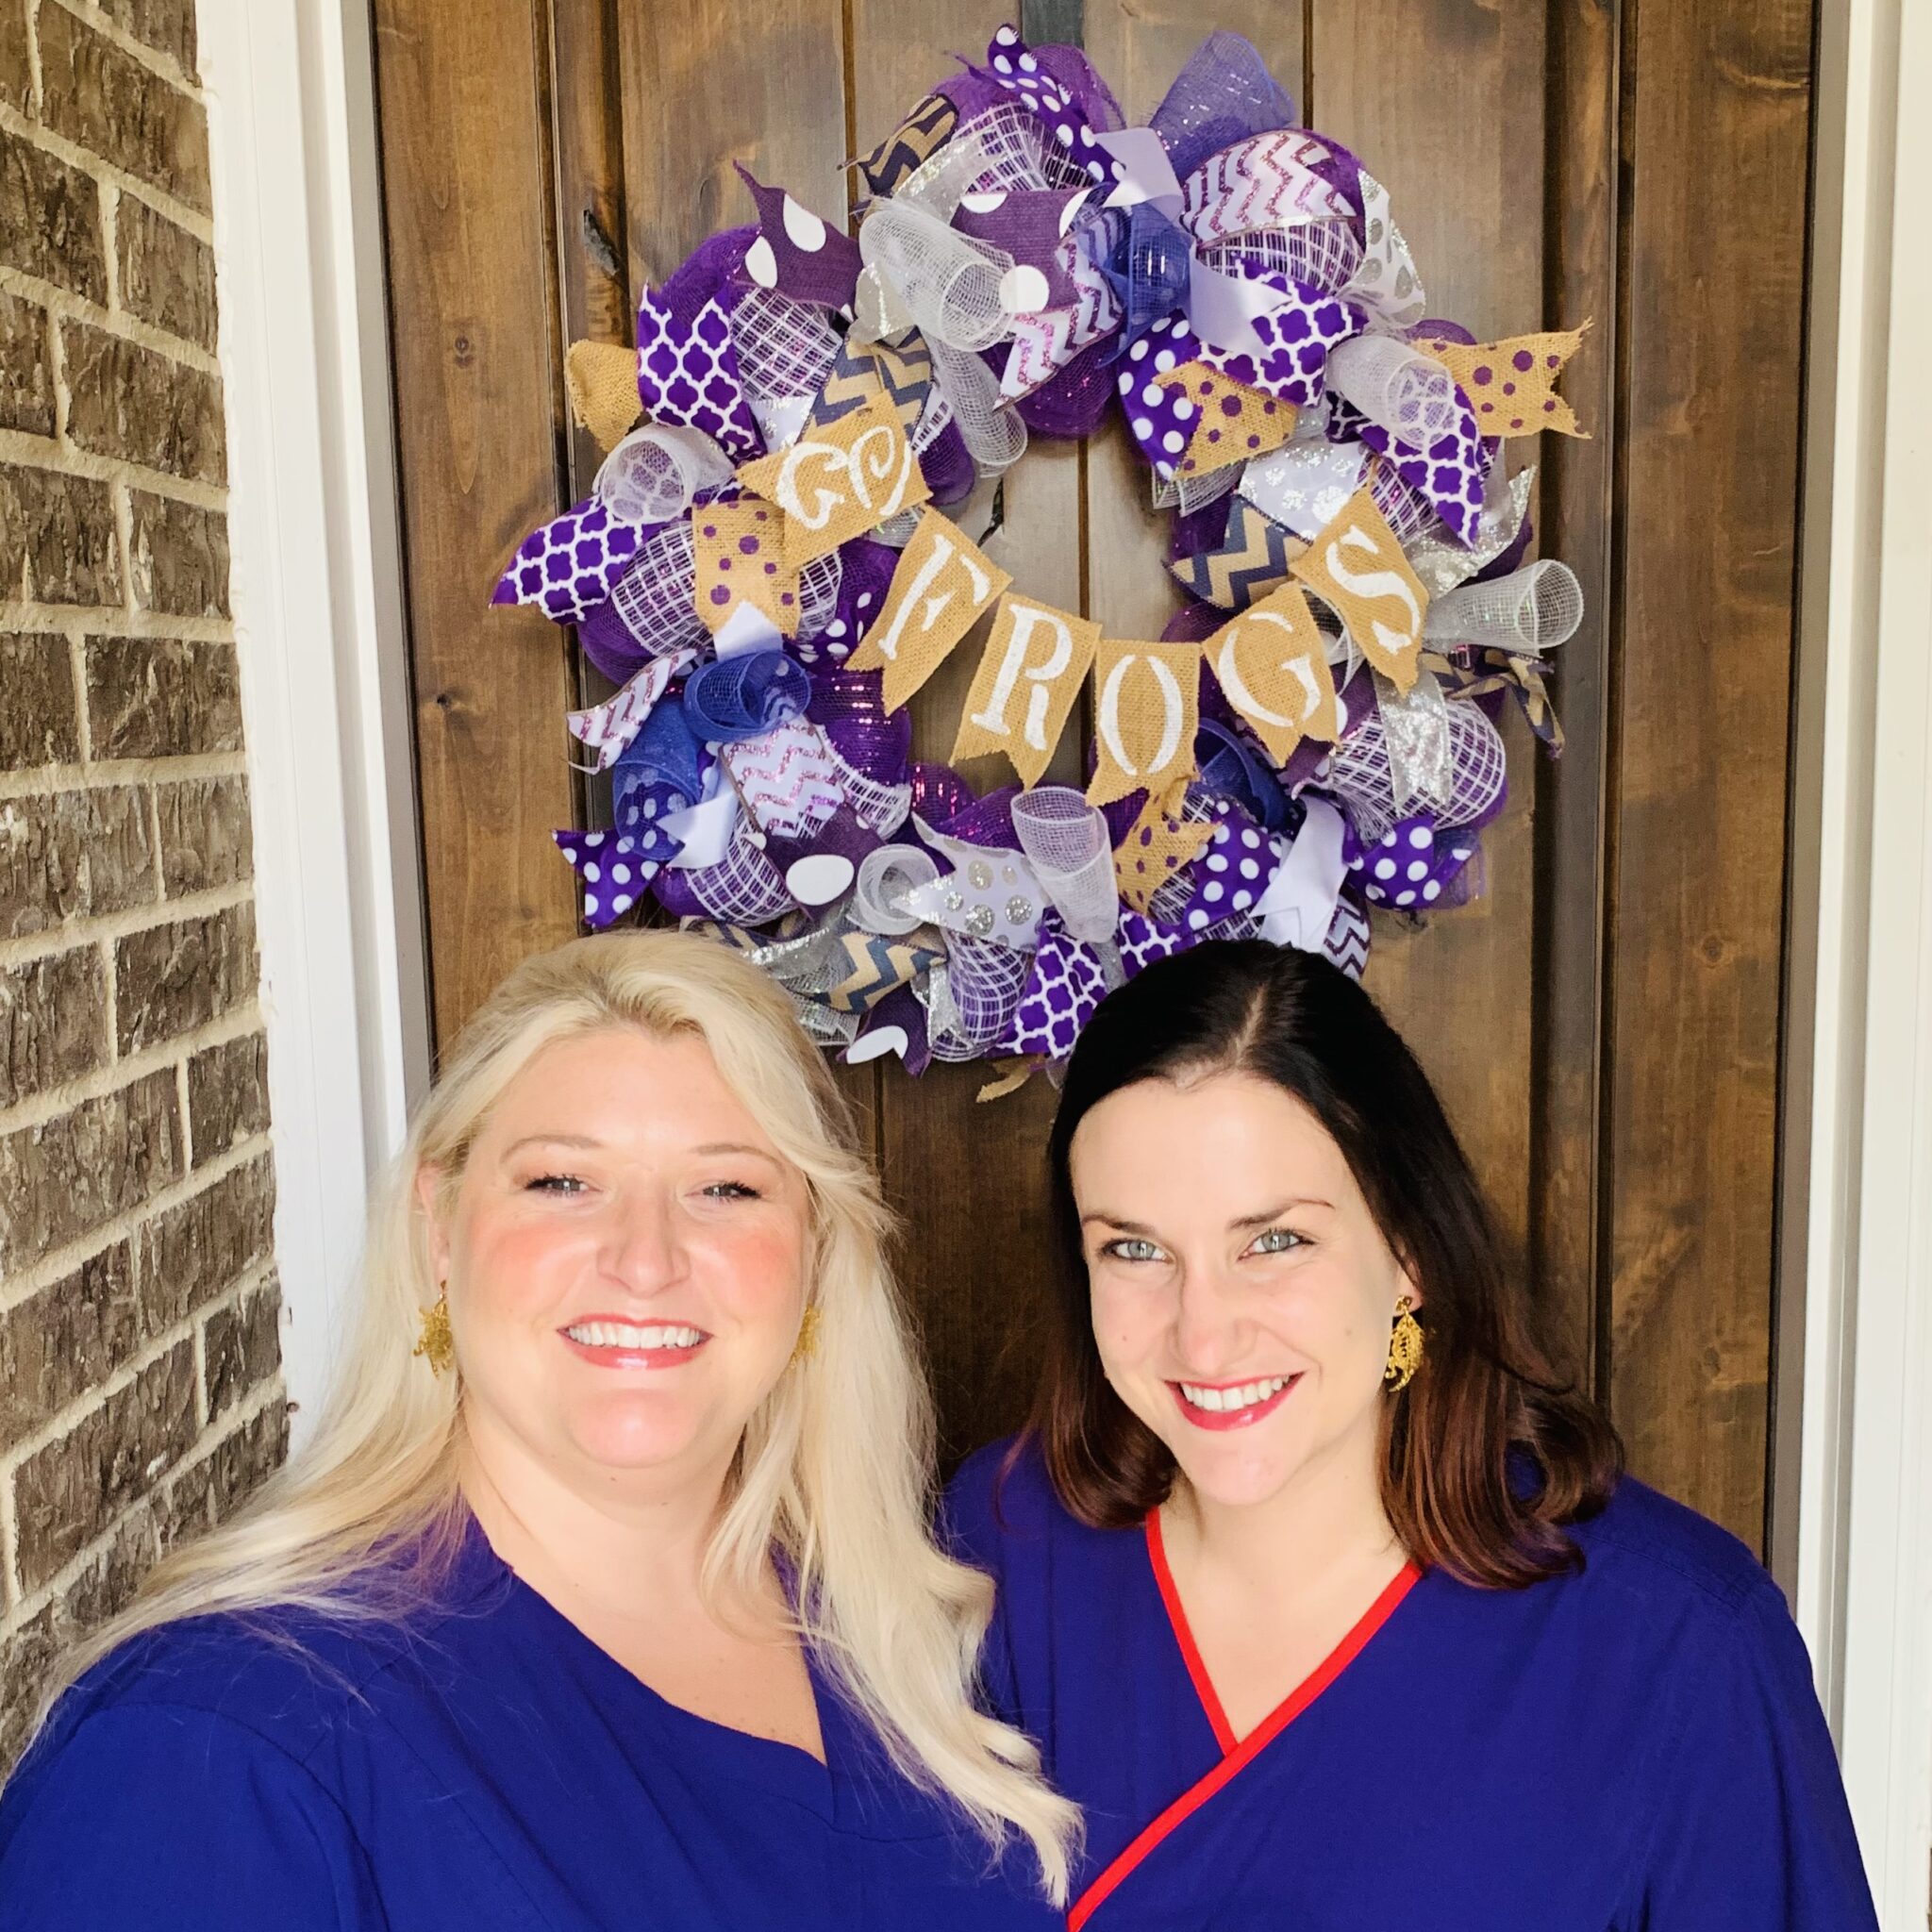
(1235, 1477)
(639, 1433)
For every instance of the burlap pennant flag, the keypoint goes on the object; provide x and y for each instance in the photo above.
(839, 479)
(1147, 708)
(739, 549)
(943, 582)
(1231, 422)
(1158, 844)
(1511, 385)
(1358, 569)
(1027, 680)
(1272, 664)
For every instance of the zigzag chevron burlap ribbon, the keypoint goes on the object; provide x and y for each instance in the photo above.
(1246, 564)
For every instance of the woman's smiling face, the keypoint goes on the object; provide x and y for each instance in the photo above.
(626, 1255)
(1242, 1292)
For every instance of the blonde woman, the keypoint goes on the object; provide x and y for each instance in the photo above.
(604, 1596)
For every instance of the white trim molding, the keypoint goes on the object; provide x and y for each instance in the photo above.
(319, 615)
(1863, 854)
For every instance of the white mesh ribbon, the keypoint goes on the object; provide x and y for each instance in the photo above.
(1362, 772)
(990, 424)
(652, 476)
(786, 349)
(1407, 394)
(1323, 254)
(1066, 841)
(1189, 493)
(946, 282)
(1000, 149)
(887, 875)
(655, 598)
(1530, 611)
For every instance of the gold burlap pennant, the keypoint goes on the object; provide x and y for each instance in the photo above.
(839, 479)
(600, 380)
(1232, 422)
(1147, 706)
(1028, 677)
(942, 583)
(739, 549)
(1357, 568)
(1273, 664)
(1157, 844)
(1511, 385)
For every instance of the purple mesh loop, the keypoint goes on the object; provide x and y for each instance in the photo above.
(1074, 403)
(1071, 67)
(939, 793)
(1224, 95)
(986, 821)
(706, 272)
(849, 706)
(948, 467)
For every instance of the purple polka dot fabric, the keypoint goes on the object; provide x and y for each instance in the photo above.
(569, 564)
(1160, 417)
(614, 867)
(1232, 872)
(1411, 865)
(1013, 67)
(690, 376)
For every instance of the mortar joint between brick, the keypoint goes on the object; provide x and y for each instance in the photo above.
(77, 666)
(30, 129)
(154, 825)
(132, 918)
(33, 56)
(203, 1408)
(244, 1413)
(157, 62)
(10, 1591)
(112, 320)
(70, 460)
(101, 774)
(111, 216)
(114, 621)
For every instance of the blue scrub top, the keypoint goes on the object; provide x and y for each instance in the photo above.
(485, 1767)
(1633, 1748)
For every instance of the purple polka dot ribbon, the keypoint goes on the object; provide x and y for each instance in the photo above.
(1159, 417)
(1013, 67)
(1411, 865)
(614, 867)
(1232, 872)
(570, 564)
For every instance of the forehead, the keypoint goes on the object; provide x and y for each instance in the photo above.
(1224, 1140)
(620, 1082)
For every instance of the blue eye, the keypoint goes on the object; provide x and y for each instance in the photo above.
(1132, 1249)
(1277, 1240)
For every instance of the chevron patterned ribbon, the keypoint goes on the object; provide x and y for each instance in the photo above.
(608, 728)
(862, 371)
(909, 144)
(871, 967)
(1251, 560)
(1268, 181)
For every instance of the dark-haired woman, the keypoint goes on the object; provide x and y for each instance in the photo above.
(1322, 1593)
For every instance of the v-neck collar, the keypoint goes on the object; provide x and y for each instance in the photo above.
(1237, 1754)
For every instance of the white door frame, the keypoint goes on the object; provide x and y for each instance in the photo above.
(319, 613)
(325, 687)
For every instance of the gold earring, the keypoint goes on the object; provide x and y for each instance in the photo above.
(1405, 1348)
(806, 1346)
(437, 1345)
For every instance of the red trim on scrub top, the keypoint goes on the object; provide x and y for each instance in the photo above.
(1236, 1757)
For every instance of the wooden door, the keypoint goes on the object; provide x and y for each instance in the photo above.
(1605, 1023)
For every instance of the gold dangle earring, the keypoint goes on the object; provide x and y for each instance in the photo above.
(806, 1346)
(437, 1345)
(1405, 1348)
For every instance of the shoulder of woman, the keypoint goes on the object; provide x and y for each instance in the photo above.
(1000, 1492)
(1642, 1542)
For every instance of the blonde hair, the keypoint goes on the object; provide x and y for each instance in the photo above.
(836, 1467)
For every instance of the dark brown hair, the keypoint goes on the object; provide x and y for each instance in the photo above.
(1488, 1452)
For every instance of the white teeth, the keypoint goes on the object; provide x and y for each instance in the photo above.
(1221, 1401)
(629, 1335)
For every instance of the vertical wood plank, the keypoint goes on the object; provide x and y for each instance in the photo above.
(1577, 502)
(461, 93)
(969, 1181)
(1442, 101)
(1717, 168)
(703, 85)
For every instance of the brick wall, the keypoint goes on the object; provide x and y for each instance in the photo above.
(139, 1392)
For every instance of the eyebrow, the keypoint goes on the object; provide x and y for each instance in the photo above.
(1243, 1222)
(589, 1143)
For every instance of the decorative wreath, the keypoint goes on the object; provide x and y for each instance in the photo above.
(766, 569)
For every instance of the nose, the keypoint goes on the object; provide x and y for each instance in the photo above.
(642, 1249)
(1210, 1330)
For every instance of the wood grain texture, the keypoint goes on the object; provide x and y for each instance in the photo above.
(1442, 101)
(1715, 303)
(970, 1181)
(465, 189)
(1577, 480)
